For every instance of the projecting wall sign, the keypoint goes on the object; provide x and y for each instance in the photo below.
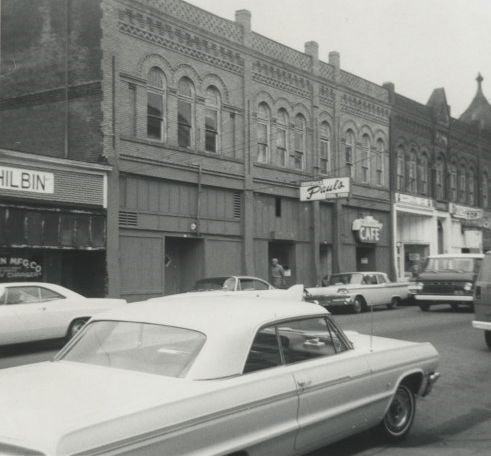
(367, 229)
(331, 188)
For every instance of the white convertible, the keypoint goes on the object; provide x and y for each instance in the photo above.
(33, 311)
(360, 291)
(212, 376)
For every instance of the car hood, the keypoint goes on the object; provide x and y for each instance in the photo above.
(48, 401)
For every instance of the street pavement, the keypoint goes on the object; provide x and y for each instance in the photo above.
(454, 420)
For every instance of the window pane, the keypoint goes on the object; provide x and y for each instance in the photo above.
(262, 134)
(185, 88)
(154, 128)
(298, 160)
(184, 136)
(210, 141)
(22, 295)
(48, 295)
(184, 113)
(211, 121)
(265, 351)
(154, 104)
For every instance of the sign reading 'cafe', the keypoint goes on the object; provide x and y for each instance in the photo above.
(331, 188)
(367, 229)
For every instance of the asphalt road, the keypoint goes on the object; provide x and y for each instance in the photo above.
(454, 420)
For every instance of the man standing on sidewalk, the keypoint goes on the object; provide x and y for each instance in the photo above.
(277, 274)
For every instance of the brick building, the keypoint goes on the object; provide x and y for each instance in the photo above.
(441, 168)
(204, 131)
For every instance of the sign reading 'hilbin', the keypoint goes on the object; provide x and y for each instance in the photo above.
(336, 187)
(26, 180)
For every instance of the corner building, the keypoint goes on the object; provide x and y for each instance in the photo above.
(209, 129)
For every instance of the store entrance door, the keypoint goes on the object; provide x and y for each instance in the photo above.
(365, 259)
(183, 264)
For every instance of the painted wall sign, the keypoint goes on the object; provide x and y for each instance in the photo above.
(466, 213)
(416, 201)
(367, 229)
(19, 268)
(330, 188)
(26, 180)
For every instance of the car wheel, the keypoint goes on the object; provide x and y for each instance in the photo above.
(75, 327)
(487, 338)
(357, 305)
(424, 307)
(393, 303)
(399, 418)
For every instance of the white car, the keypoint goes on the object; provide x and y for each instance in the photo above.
(359, 291)
(212, 376)
(34, 311)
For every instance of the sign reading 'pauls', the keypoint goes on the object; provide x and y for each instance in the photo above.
(367, 229)
(336, 187)
(26, 180)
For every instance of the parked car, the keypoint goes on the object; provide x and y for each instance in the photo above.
(214, 376)
(482, 299)
(360, 291)
(33, 311)
(447, 279)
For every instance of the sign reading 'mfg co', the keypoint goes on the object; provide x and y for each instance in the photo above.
(367, 229)
(26, 180)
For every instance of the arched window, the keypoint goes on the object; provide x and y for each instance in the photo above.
(364, 163)
(155, 104)
(300, 139)
(452, 176)
(263, 129)
(349, 151)
(439, 179)
(462, 185)
(212, 119)
(400, 169)
(423, 174)
(380, 162)
(411, 172)
(471, 187)
(485, 191)
(325, 148)
(185, 112)
(281, 154)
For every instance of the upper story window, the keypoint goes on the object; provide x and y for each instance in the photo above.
(462, 185)
(380, 162)
(349, 150)
(423, 174)
(471, 187)
(263, 133)
(185, 112)
(411, 172)
(452, 176)
(485, 191)
(365, 159)
(400, 169)
(281, 153)
(155, 104)
(300, 140)
(325, 148)
(212, 119)
(439, 179)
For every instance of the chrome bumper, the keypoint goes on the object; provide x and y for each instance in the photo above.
(431, 379)
(444, 298)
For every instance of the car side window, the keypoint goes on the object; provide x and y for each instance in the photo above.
(260, 285)
(264, 352)
(49, 295)
(22, 295)
(229, 284)
(309, 339)
(381, 278)
(247, 284)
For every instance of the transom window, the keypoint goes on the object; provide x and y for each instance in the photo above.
(212, 119)
(281, 153)
(325, 148)
(263, 132)
(155, 104)
(300, 138)
(185, 112)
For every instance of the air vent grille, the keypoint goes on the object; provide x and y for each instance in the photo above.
(237, 202)
(128, 218)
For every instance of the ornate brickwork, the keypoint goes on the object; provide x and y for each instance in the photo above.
(364, 86)
(176, 39)
(326, 71)
(326, 95)
(198, 17)
(362, 108)
(280, 52)
(281, 79)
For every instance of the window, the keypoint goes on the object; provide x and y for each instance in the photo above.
(380, 162)
(263, 128)
(131, 125)
(21, 295)
(365, 159)
(325, 148)
(300, 136)
(349, 149)
(423, 174)
(471, 186)
(439, 179)
(212, 119)
(411, 172)
(281, 154)
(277, 205)
(400, 169)
(462, 185)
(485, 191)
(155, 105)
(185, 112)
(453, 182)
(265, 351)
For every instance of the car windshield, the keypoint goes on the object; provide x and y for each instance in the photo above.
(214, 283)
(449, 265)
(142, 347)
(344, 279)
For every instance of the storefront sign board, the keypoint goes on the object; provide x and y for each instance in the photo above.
(26, 180)
(330, 188)
(367, 229)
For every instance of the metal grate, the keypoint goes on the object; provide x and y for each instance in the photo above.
(128, 218)
(237, 205)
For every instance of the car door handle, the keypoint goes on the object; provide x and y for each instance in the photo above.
(304, 383)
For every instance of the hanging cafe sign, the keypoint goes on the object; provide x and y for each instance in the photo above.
(367, 229)
(330, 188)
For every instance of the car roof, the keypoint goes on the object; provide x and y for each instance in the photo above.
(359, 272)
(228, 322)
(231, 276)
(457, 255)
